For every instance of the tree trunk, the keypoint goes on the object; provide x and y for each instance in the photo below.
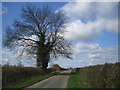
(39, 63)
(42, 57)
(45, 59)
(45, 64)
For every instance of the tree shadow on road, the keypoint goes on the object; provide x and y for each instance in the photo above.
(66, 73)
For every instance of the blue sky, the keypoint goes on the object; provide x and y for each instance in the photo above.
(92, 27)
(107, 39)
(13, 10)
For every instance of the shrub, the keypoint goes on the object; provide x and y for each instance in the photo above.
(102, 76)
(12, 74)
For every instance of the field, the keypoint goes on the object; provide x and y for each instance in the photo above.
(98, 76)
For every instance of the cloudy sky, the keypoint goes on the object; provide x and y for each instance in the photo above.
(92, 28)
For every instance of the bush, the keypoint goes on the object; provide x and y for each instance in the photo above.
(11, 74)
(102, 76)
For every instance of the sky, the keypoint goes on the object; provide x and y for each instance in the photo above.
(92, 29)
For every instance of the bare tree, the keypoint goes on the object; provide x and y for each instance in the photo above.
(20, 64)
(46, 26)
(7, 64)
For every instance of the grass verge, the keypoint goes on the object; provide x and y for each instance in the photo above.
(75, 80)
(33, 80)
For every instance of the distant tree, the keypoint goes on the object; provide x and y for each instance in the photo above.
(20, 64)
(46, 26)
(7, 64)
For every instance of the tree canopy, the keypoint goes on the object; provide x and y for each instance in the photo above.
(39, 31)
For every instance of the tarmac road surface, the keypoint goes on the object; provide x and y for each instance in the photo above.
(57, 81)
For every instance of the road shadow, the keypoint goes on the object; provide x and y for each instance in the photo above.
(66, 73)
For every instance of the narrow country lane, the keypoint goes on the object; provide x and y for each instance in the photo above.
(57, 81)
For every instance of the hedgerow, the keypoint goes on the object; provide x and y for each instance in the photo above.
(101, 76)
(11, 74)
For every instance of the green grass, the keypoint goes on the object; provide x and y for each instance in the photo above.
(76, 81)
(33, 80)
(74, 71)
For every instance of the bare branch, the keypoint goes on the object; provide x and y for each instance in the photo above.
(47, 26)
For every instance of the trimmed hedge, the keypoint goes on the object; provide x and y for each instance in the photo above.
(101, 76)
(11, 74)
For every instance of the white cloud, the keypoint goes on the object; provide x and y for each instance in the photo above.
(85, 48)
(88, 10)
(33, 37)
(88, 54)
(107, 54)
(13, 58)
(96, 54)
(66, 63)
(87, 20)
